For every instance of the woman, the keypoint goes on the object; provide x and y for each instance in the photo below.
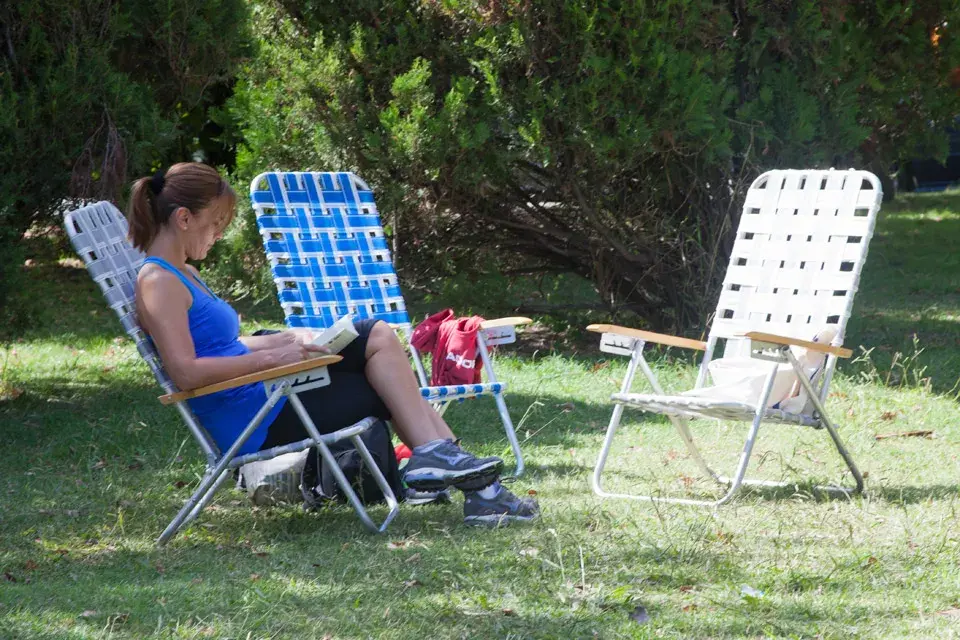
(177, 216)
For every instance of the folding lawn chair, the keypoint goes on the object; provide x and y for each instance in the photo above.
(329, 257)
(793, 272)
(99, 234)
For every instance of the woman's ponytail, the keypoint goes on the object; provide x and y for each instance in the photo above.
(141, 215)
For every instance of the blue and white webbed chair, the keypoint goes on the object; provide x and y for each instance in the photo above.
(329, 256)
(788, 292)
(98, 233)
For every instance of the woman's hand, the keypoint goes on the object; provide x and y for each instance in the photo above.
(301, 336)
(294, 352)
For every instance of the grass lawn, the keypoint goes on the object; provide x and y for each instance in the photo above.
(94, 467)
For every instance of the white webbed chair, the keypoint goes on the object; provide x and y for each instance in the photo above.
(98, 233)
(793, 273)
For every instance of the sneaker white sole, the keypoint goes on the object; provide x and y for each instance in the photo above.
(497, 520)
(434, 478)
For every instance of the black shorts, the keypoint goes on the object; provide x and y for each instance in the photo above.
(348, 398)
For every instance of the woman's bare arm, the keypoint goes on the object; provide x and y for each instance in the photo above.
(277, 340)
(162, 303)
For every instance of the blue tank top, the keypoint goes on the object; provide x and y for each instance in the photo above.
(215, 329)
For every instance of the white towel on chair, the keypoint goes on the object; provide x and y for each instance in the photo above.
(741, 379)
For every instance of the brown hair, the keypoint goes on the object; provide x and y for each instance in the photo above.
(188, 184)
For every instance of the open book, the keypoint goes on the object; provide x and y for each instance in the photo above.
(338, 335)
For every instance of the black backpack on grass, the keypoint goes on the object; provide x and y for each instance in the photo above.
(319, 486)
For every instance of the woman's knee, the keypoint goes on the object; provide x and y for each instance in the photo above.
(382, 337)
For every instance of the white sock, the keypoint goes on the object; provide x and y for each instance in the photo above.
(490, 491)
(429, 446)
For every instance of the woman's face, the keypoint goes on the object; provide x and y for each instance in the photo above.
(205, 227)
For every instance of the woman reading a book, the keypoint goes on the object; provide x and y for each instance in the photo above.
(178, 215)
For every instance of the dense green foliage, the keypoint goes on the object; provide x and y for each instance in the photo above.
(604, 138)
(96, 92)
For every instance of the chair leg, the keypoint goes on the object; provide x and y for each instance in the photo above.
(341, 480)
(200, 498)
(511, 434)
(202, 504)
(834, 435)
(382, 483)
(681, 425)
(217, 474)
(501, 406)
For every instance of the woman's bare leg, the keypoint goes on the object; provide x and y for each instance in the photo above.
(388, 370)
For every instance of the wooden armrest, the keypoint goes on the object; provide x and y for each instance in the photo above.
(759, 336)
(504, 322)
(649, 336)
(259, 376)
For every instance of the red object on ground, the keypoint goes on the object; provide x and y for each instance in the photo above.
(402, 452)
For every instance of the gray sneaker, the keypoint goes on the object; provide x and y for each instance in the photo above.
(446, 465)
(500, 510)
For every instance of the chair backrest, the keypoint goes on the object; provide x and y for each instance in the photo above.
(796, 261)
(98, 233)
(327, 249)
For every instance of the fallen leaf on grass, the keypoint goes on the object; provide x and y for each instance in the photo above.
(640, 615)
(950, 613)
(688, 608)
(920, 433)
(411, 583)
(724, 536)
(686, 588)
(888, 415)
(509, 612)
(402, 544)
(870, 562)
(30, 565)
(531, 492)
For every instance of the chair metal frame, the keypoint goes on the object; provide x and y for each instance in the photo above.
(329, 257)
(794, 269)
(98, 233)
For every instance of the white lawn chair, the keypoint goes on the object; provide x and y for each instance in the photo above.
(793, 272)
(329, 257)
(98, 232)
